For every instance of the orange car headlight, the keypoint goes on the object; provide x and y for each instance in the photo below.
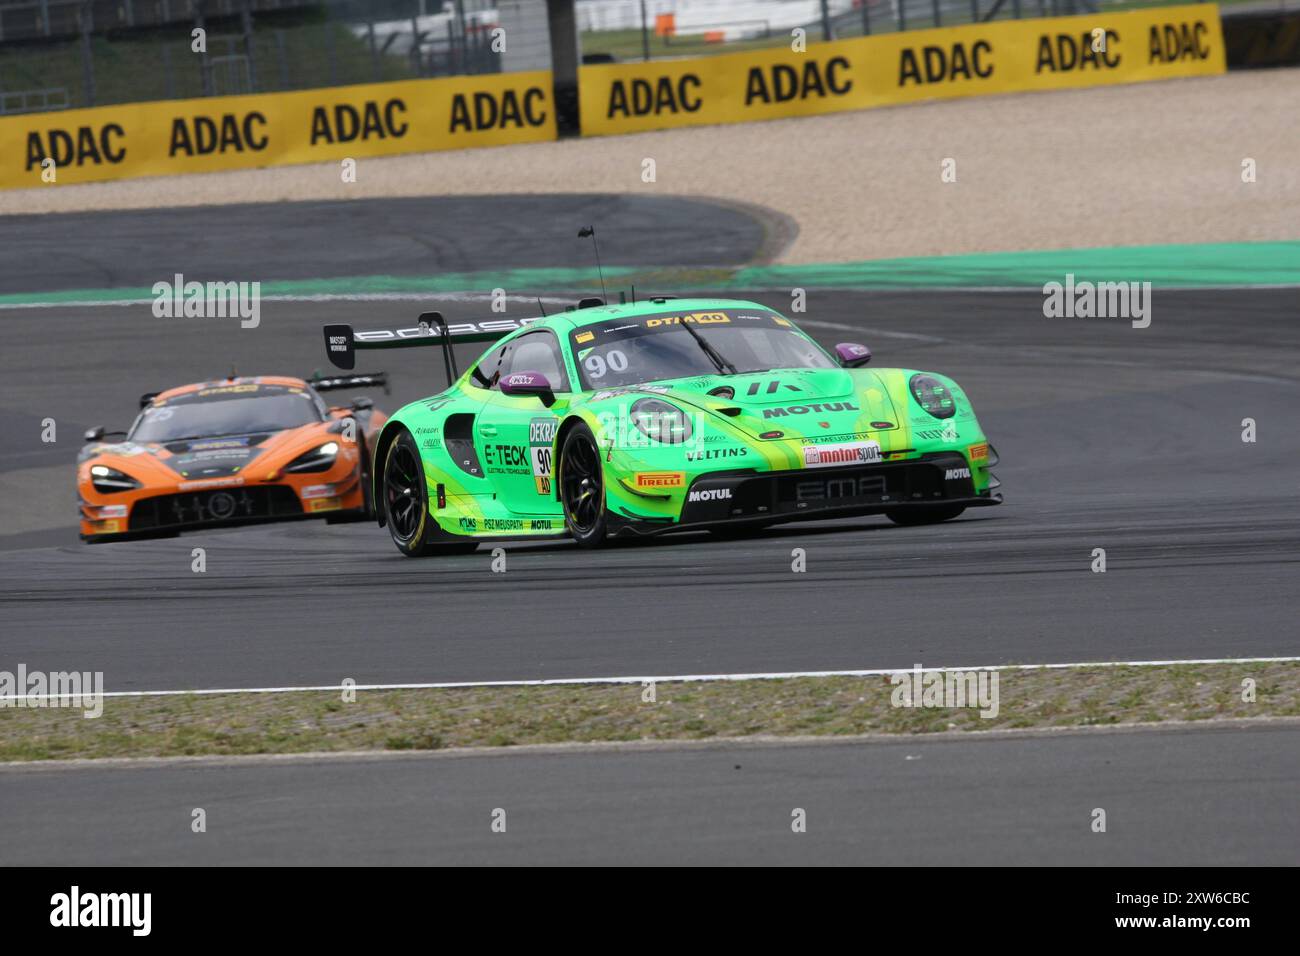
(108, 481)
(318, 459)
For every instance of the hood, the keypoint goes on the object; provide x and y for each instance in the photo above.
(811, 403)
(201, 458)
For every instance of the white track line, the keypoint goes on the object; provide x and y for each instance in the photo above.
(662, 679)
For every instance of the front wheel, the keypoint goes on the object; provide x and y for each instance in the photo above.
(406, 504)
(924, 515)
(367, 510)
(582, 487)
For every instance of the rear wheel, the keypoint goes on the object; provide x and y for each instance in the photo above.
(406, 504)
(932, 514)
(582, 487)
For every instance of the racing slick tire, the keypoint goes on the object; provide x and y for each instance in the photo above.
(367, 484)
(909, 517)
(367, 510)
(582, 487)
(406, 504)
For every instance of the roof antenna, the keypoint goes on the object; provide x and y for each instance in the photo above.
(583, 233)
(540, 306)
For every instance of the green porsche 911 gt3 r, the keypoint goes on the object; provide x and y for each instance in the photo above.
(662, 415)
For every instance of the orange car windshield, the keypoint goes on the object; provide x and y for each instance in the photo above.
(226, 416)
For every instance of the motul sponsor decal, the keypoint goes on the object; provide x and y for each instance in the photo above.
(816, 408)
(711, 494)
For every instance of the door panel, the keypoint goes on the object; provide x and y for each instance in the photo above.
(514, 435)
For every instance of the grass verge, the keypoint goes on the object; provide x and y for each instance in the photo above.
(506, 716)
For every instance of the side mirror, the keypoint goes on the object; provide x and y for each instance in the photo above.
(528, 383)
(361, 404)
(852, 355)
(99, 433)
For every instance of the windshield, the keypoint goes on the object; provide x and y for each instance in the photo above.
(651, 348)
(199, 415)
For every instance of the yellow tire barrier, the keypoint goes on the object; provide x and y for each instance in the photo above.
(1000, 57)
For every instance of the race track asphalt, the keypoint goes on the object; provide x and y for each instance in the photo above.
(420, 235)
(1110, 437)
(1200, 796)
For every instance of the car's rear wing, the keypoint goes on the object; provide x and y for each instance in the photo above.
(342, 341)
(335, 383)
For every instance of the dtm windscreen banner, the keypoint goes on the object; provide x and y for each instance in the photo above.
(272, 129)
(1002, 57)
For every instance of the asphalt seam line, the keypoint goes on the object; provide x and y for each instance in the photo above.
(10, 700)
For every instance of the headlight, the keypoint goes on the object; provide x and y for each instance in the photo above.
(932, 395)
(660, 421)
(318, 459)
(107, 480)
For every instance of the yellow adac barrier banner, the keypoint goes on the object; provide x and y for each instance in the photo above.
(271, 129)
(1001, 57)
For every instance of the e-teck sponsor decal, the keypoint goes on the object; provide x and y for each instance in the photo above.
(271, 129)
(999, 57)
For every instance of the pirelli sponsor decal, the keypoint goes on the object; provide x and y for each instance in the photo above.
(660, 479)
(998, 57)
(272, 129)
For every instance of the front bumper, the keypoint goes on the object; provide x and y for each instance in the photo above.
(217, 507)
(750, 497)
